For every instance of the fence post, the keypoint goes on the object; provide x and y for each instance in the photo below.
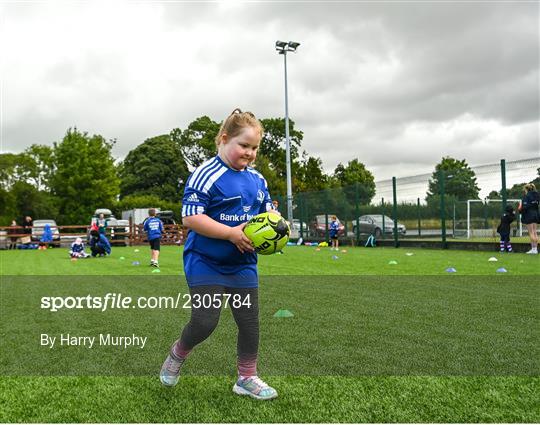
(419, 221)
(394, 212)
(443, 209)
(383, 215)
(326, 236)
(454, 220)
(503, 187)
(301, 213)
(485, 212)
(131, 230)
(357, 213)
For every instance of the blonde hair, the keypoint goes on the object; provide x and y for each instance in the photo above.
(236, 122)
(529, 187)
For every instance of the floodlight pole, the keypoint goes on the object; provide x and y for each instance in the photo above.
(288, 149)
(282, 49)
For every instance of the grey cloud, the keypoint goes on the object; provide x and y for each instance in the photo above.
(363, 74)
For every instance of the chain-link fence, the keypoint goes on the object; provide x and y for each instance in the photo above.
(437, 207)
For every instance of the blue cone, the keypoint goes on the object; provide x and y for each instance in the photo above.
(502, 270)
(451, 270)
(135, 263)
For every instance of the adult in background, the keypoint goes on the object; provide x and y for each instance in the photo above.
(27, 225)
(13, 231)
(99, 244)
(101, 223)
(530, 214)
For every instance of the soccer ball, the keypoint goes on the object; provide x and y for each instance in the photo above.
(268, 231)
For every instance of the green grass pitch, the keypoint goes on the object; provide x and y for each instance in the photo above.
(370, 340)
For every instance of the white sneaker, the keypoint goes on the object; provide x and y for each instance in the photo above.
(170, 371)
(254, 387)
(532, 251)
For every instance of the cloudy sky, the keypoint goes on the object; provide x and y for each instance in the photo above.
(396, 84)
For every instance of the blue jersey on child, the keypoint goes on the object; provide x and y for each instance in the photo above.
(77, 247)
(229, 197)
(334, 227)
(153, 227)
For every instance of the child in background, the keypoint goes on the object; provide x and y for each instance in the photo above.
(153, 227)
(504, 228)
(77, 249)
(220, 197)
(334, 228)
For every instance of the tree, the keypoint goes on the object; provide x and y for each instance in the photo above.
(309, 175)
(516, 191)
(197, 142)
(38, 165)
(355, 176)
(273, 144)
(8, 209)
(155, 167)
(85, 177)
(33, 202)
(494, 195)
(9, 163)
(459, 180)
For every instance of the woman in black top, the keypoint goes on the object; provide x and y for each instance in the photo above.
(530, 214)
(27, 225)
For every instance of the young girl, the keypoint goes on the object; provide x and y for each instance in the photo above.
(77, 249)
(530, 214)
(220, 197)
(334, 229)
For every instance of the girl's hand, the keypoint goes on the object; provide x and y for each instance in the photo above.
(239, 238)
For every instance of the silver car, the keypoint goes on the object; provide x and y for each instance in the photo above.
(373, 224)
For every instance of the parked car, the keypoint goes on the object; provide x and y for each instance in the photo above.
(317, 228)
(296, 225)
(167, 217)
(295, 229)
(373, 225)
(38, 228)
(120, 226)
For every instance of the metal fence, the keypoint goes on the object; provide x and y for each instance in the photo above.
(401, 209)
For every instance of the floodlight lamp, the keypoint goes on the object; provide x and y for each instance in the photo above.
(280, 44)
(293, 45)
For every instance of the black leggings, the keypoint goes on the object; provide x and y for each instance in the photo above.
(205, 319)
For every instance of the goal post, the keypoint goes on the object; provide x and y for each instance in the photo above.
(486, 202)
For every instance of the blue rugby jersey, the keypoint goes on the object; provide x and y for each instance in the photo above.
(77, 247)
(334, 228)
(153, 227)
(229, 197)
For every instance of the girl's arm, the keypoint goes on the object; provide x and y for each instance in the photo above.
(206, 226)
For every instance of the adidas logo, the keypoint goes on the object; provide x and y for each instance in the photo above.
(193, 198)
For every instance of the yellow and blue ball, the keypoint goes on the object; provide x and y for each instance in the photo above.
(268, 231)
